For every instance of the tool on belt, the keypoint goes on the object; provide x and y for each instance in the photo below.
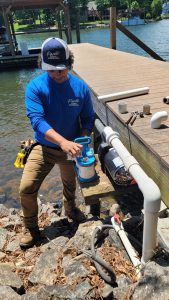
(134, 116)
(22, 156)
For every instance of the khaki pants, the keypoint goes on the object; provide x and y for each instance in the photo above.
(40, 162)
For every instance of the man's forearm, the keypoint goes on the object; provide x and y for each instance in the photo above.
(52, 136)
(68, 147)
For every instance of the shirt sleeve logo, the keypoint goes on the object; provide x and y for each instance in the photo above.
(73, 102)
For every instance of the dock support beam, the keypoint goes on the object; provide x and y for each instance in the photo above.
(6, 20)
(59, 24)
(78, 27)
(13, 32)
(113, 27)
(138, 42)
(68, 24)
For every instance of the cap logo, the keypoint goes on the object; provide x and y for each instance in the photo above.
(53, 55)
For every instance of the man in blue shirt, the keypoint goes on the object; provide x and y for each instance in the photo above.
(60, 109)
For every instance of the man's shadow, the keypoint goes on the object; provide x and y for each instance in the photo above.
(62, 226)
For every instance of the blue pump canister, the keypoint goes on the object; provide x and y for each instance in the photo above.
(85, 163)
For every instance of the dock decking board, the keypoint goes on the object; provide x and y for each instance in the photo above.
(109, 71)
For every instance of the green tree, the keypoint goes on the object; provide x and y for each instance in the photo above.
(147, 6)
(76, 7)
(102, 5)
(156, 7)
(135, 5)
(26, 14)
(48, 16)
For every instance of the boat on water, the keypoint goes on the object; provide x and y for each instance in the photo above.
(132, 21)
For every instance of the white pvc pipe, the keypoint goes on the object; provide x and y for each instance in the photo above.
(151, 192)
(124, 94)
(158, 118)
(130, 250)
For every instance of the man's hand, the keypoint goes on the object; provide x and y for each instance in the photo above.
(71, 148)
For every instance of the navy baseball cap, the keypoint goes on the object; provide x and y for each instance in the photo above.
(55, 54)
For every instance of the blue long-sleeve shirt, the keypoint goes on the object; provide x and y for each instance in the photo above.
(67, 107)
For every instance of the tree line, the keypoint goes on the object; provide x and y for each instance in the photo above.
(47, 17)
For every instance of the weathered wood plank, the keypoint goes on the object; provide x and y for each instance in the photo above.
(107, 71)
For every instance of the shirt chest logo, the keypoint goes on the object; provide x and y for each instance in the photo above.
(73, 102)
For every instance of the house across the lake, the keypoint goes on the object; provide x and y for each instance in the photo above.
(132, 21)
(165, 8)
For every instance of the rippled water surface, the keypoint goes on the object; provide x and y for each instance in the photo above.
(14, 125)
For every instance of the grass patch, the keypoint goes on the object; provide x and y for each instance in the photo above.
(166, 16)
(28, 27)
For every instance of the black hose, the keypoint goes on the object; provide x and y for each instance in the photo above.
(99, 262)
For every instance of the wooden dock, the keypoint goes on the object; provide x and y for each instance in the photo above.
(20, 61)
(8, 63)
(109, 71)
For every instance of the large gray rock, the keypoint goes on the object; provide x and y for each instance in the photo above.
(14, 222)
(124, 293)
(44, 270)
(63, 292)
(29, 296)
(7, 293)
(75, 269)
(154, 284)
(107, 292)
(82, 290)
(13, 244)
(56, 292)
(57, 244)
(123, 281)
(82, 239)
(4, 211)
(4, 234)
(9, 278)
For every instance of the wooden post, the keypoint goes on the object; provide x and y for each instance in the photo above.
(78, 27)
(113, 27)
(59, 24)
(13, 32)
(6, 20)
(68, 24)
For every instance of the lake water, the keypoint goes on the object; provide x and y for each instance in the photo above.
(15, 127)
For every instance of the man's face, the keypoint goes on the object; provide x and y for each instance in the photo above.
(59, 76)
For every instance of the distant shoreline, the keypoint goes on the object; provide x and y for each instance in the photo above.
(40, 30)
(36, 31)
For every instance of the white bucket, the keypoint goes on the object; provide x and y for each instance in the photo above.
(86, 172)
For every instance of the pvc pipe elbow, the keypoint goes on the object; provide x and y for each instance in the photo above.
(158, 118)
(152, 196)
